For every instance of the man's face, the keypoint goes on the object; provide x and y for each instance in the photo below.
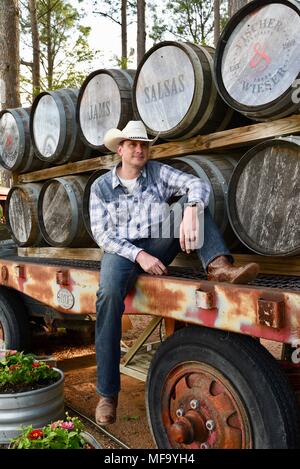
(134, 153)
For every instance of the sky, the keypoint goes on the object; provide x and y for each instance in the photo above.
(106, 35)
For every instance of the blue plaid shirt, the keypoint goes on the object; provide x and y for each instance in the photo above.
(117, 217)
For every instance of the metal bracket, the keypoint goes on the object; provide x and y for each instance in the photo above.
(20, 271)
(62, 277)
(271, 313)
(205, 299)
(4, 273)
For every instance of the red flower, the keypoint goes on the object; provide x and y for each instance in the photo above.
(14, 367)
(36, 365)
(35, 434)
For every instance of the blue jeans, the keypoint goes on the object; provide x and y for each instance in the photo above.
(118, 276)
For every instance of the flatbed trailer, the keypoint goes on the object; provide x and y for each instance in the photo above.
(211, 384)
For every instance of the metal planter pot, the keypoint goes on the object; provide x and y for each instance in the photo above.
(36, 408)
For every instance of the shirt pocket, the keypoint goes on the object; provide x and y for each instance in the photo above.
(152, 196)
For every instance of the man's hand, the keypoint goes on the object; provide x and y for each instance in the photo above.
(189, 230)
(150, 264)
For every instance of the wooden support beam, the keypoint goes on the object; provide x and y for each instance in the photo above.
(272, 265)
(88, 254)
(94, 164)
(249, 135)
(240, 137)
(268, 265)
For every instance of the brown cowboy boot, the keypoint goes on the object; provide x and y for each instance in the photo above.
(106, 410)
(221, 270)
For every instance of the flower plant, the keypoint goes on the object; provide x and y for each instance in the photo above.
(62, 434)
(21, 372)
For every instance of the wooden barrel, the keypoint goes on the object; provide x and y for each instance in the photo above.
(216, 171)
(263, 198)
(174, 92)
(86, 198)
(16, 151)
(60, 212)
(22, 215)
(53, 127)
(104, 102)
(257, 59)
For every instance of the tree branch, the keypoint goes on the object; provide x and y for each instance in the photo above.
(107, 16)
(48, 10)
(27, 64)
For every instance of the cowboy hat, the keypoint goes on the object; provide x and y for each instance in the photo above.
(134, 130)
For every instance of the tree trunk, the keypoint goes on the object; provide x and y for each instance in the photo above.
(141, 30)
(36, 86)
(124, 33)
(235, 5)
(216, 21)
(9, 54)
(49, 48)
(9, 64)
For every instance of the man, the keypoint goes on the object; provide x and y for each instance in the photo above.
(125, 204)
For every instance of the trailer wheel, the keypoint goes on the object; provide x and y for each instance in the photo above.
(14, 322)
(212, 389)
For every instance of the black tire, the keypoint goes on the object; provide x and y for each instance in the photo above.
(253, 383)
(14, 320)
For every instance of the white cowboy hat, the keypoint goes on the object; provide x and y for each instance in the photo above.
(134, 130)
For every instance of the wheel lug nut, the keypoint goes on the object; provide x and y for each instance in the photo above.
(210, 425)
(180, 412)
(204, 446)
(194, 404)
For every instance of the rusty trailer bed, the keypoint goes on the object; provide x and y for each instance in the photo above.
(268, 308)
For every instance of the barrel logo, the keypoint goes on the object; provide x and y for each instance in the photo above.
(10, 151)
(164, 89)
(9, 139)
(261, 57)
(99, 110)
(65, 298)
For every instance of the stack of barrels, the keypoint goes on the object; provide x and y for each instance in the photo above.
(257, 71)
(179, 90)
(62, 126)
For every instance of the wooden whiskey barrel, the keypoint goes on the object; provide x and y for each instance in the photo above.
(22, 215)
(263, 198)
(53, 127)
(257, 60)
(104, 102)
(86, 199)
(60, 212)
(16, 151)
(174, 92)
(216, 171)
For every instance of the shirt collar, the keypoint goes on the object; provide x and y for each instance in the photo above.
(115, 181)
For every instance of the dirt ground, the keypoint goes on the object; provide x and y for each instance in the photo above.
(78, 363)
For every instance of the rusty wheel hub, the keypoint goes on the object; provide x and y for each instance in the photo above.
(201, 409)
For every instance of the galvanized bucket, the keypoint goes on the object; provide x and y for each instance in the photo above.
(36, 408)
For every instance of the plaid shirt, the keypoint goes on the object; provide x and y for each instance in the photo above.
(117, 217)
